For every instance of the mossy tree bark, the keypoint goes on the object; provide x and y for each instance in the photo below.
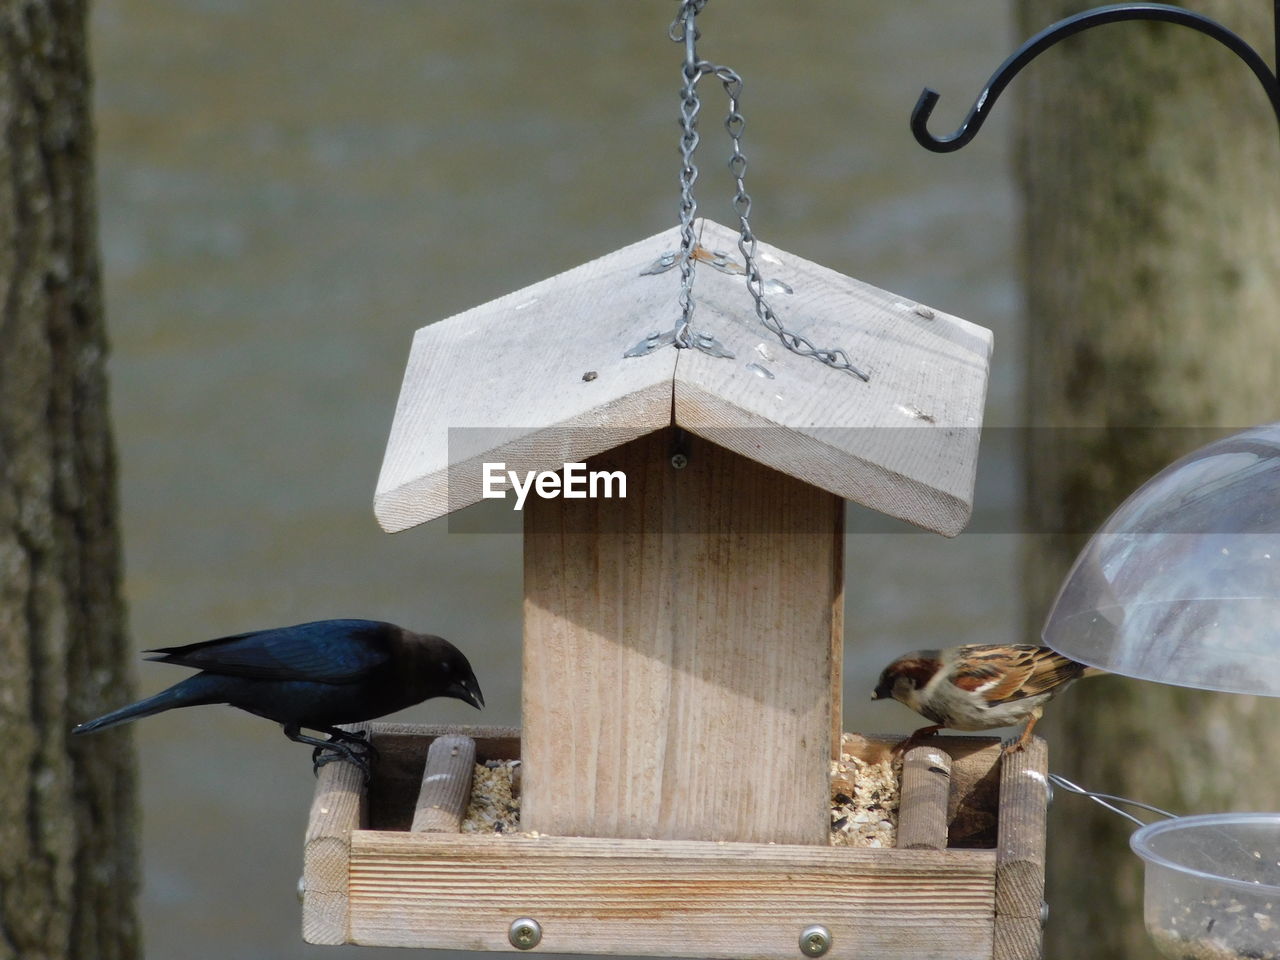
(68, 870)
(1150, 169)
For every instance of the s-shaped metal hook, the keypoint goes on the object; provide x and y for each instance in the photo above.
(1045, 39)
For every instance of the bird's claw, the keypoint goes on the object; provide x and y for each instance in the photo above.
(900, 748)
(353, 740)
(353, 748)
(915, 739)
(1012, 745)
(321, 755)
(360, 747)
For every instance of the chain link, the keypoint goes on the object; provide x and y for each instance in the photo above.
(734, 124)
(684, 30)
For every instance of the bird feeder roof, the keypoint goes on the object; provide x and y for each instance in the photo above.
(538, 378)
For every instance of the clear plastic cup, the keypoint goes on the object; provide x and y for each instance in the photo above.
(1213, 886)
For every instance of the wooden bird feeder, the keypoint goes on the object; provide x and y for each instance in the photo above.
(683, 645)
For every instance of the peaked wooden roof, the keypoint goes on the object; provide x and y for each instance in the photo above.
(538, 378)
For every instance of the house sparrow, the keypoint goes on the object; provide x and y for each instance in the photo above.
(979, 686)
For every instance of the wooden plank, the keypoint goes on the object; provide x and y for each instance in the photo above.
(336, 810)
(678, 654)
(446, 785)
(922, 807)
(1024, 801)
(905, 444)
(407, 743)
(535, 379)
(669, 898)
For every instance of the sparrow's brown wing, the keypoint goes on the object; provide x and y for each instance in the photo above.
(1004, 672)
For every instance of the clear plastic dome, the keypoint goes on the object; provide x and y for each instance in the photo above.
(1181, 585)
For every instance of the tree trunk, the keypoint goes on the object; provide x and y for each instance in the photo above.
(1151, 177)
(68, 872)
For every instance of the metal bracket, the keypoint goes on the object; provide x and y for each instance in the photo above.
(651, 343)
(701, 341)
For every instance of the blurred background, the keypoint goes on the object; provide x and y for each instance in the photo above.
(288, 191)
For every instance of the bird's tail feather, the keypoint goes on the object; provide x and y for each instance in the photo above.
(201, 688)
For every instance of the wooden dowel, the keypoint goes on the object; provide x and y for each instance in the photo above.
(975, 781)
(922, 809)
(1024, 799)
(446, 785)
(337, 809)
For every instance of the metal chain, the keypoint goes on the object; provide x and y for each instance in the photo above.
(735, 123)
(684, 30)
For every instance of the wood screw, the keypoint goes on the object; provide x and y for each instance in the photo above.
(525, 933)
(815, 940)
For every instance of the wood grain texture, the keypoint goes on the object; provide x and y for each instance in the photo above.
(678, 655)
(660, 897)
(402, 753)
(669, 898)
(504, 382)
(446, 785)
(922, 807)
(906, 443)
(837, 635)
(974, 799)
(408, 743)
(336, 810)
(1024, 802)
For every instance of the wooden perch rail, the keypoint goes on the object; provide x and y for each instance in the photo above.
(338, 809)
(446, 785)
(922, 807)
(1024, 802)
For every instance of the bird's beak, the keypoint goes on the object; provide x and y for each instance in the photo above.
(880, 693)
(468, 693)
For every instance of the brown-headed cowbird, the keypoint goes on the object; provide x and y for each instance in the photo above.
(314, 675)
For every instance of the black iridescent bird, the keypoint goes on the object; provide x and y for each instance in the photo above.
(313, 675)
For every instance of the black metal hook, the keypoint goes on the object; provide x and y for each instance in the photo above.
(1045, 39)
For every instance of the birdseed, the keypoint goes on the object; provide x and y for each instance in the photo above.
(864, 802)
(1219, 929)
(495, 800)
(1176, 947)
